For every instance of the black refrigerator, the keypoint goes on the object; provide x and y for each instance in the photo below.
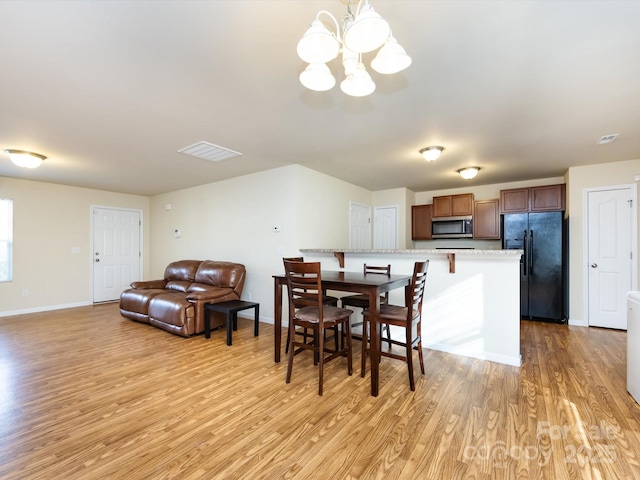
(543, 282)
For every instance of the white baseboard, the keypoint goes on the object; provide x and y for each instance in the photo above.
(10, 313)
(578, 323)
(515, 361)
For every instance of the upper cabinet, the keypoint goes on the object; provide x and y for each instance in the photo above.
(453, 205)
(533, 199)
(421, 222)
(486, 219)
(547, 198)
(514, 200)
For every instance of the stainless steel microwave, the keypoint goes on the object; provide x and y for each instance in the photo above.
(452, 227)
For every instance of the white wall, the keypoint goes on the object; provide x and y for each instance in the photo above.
(233, 220)
(579, 178)
(49, 220)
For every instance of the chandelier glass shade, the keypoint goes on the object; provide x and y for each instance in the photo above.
(367, 31)
(318, 44)
(358, 83)
(362, 32)
(25, 159)
(391, 58)
(318, 77)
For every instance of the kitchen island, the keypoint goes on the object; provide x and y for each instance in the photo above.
(472, 297)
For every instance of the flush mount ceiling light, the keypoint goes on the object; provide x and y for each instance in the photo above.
(431, 153)
(362, 32)
(469, 172)
(25, 159)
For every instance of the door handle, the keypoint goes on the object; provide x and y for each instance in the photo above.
(526, 255)
(97, 260)
(530, 252)
(594, 265)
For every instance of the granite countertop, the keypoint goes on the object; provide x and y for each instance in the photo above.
(466, 251)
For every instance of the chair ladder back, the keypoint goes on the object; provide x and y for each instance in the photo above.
(304, 284)
(377, 269)
(418, 282)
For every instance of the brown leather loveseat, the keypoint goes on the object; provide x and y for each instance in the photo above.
(176, 303)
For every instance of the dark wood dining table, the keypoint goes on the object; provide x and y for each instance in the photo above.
(356, 282)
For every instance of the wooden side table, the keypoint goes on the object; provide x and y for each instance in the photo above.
(230, 309)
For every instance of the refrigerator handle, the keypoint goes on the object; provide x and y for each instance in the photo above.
(530, 252)
(526, 257)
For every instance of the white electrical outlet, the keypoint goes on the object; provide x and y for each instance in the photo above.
(25, 292)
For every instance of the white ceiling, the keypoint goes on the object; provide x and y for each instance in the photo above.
(110, 91)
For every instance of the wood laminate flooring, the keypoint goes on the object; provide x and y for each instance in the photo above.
(86, 394)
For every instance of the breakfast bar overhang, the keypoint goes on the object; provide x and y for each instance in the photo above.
(472, 297)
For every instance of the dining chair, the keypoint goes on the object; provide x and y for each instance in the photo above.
(326, 300)
(362, 300)
(306, 310)
(408, 317)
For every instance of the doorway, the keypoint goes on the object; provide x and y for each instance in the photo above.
(385, 228)
(116, 251)
(611, 254)
(359, 226)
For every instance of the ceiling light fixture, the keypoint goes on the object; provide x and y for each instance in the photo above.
(25, 159)
(469, 172)
(431, 153)
(363, 32)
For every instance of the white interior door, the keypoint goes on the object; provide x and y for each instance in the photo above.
(385, 228)
(610, 256)
(116, 251)
(359, 226)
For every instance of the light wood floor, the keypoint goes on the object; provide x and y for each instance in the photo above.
(85, 394)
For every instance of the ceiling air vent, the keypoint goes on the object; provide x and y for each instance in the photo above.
(209, 151)
(607, 139)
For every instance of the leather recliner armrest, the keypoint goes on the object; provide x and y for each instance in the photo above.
(209, 295)
(149, 284)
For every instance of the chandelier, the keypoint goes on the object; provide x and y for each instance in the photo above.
(361, 32)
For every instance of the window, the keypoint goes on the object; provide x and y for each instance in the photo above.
(6, 239)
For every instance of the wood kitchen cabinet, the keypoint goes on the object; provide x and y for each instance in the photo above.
(515, 200)
(453, 205)
(486, 219)
(421, 222)
(547, 198)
